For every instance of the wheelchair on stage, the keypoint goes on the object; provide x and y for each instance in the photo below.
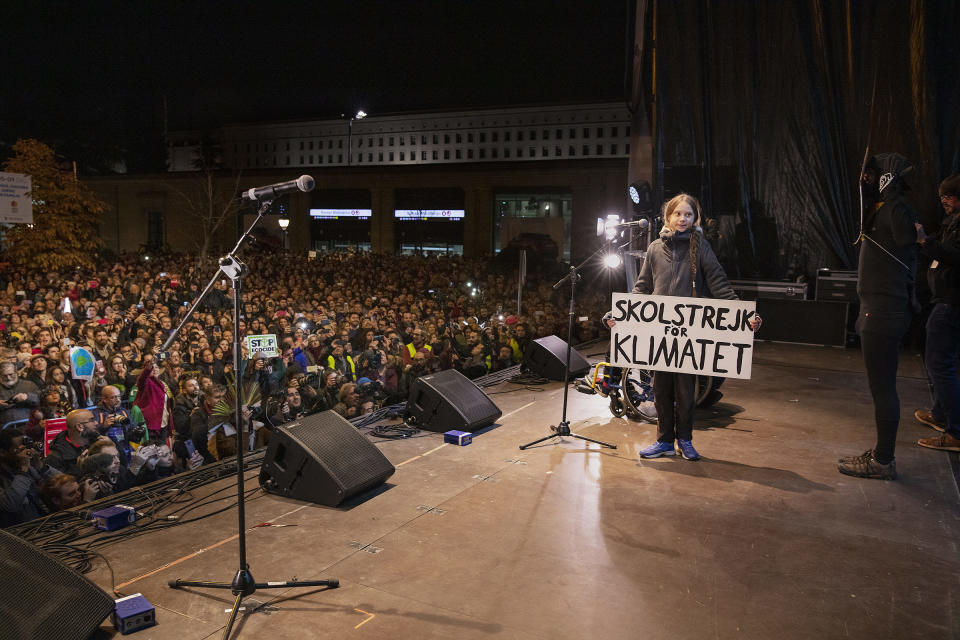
(630, 391)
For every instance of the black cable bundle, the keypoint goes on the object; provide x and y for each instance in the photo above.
(395, 432)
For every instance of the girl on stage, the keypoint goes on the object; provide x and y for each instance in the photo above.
(680, 263)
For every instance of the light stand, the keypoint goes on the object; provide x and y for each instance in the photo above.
(243, 583)
(563, 429)
(284, 224)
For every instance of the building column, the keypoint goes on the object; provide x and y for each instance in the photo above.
(478, 222)
(383, 202)
(583, 223)
(298, 233)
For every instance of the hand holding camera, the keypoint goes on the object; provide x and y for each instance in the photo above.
(196, 460)
(145, 456)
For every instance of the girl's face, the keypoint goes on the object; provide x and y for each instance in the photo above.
(681, 218)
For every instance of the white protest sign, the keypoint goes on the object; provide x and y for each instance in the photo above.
(16, 206)
(265, 345)
(684, 335)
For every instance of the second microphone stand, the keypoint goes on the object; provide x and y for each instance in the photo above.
(243, 583)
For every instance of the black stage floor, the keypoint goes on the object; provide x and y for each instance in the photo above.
(761, 539)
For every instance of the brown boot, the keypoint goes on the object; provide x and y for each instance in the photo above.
(945, 442)
(926, 417)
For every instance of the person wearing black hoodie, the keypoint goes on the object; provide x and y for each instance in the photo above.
(885, 284)
(943, 325)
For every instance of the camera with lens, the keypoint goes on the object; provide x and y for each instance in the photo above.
(33, 443)
(373, 391)
(136, 433)
(373, 358)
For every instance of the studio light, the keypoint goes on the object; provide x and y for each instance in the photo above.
(612, 260)
(608, 227)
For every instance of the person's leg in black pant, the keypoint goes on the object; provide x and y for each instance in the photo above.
(664, 384)
(881, 356)
(685, 392)
(880, 335)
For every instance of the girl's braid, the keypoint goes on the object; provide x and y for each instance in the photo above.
(694, 256)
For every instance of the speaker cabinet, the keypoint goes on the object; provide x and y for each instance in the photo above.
(448, 400)
(42, 598)
(546, 357)
(322, 459)
(804, 321)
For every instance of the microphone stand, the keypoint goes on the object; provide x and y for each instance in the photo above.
(243, 583)
(563, 429)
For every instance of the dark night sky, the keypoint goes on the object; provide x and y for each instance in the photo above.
(83, 73)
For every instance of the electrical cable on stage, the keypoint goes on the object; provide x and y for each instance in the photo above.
(395, 432)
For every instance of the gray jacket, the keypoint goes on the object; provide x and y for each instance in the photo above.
(666, 269)
(18, 410)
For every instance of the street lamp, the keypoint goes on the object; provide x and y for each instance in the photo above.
(284, 223)
(359, 116)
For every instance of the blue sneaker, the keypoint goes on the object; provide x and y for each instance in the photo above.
(687, 450)
(658, 449)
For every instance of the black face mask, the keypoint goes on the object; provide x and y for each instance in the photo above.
(89, 435)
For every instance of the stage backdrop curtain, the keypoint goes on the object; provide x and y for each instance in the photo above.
(771, 104)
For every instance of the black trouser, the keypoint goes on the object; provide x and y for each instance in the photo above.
(671, 389)
(880, 335)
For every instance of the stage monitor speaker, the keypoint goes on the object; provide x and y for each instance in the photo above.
(42, 598)
(448, 400)
(546, 357)
(322, 459)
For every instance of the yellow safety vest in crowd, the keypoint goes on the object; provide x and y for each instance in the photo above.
(413, 350)
(353, 368)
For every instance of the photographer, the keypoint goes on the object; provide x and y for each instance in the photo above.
(312, 400)
(371, 393)
(66, 448)
(288, 407)
(21, 471)
(113, 421)
(103, 473)
(373, 360)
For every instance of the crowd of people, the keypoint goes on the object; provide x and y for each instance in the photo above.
(354, 331)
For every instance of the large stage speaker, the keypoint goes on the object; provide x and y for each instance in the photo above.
(804, 321)
(546, 357)
(322, 459)
(42, 598)
(448, 400)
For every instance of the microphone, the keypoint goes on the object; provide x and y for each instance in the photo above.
(271, 191)
(643, 223)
